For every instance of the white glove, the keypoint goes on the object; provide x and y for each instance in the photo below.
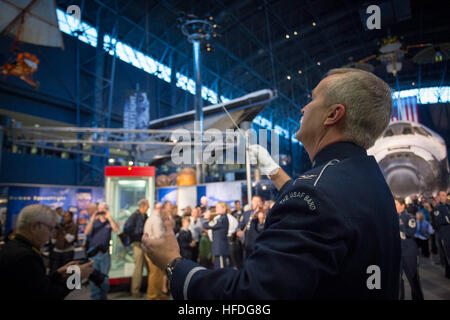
(261, 157)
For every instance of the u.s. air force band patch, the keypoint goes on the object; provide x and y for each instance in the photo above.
(299, 195)
(412, 223)
(307, 176)
(214, 221)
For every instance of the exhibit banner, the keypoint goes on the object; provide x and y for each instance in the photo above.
(136, 114)
(167, 194)
(223, 191)
(201, 191)
(190, 195)
(73, 199)
(187, 196)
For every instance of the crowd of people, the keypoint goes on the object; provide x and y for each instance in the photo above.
(424, 228)
(216, 237)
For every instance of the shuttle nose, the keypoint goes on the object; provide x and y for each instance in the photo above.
(403, 182)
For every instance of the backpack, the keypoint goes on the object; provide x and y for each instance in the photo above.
(204, 247)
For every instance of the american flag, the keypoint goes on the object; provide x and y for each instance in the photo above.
(405, 109)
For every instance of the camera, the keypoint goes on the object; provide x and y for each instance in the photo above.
(101, 213)
(96, 276)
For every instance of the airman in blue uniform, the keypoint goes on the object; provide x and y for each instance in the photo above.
(219, 225)
(333, 232)
(441, 217)
(410, 251)
(247, 232)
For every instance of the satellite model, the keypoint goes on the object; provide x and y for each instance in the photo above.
(28, 21)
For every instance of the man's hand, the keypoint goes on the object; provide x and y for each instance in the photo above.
(62, 270)
(114, 225)
(261, 157)
(163, 250)
(267, 166)
(86, 269)
(239, 233)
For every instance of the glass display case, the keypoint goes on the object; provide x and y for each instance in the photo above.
(124, 187)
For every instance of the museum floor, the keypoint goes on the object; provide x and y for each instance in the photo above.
(435, 285)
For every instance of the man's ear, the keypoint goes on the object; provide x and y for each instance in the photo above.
(335, 113)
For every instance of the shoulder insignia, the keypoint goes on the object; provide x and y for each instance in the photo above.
(412, 223)
(307, 176)
(402, 235)
(436, 213)
(213, 222)
(302, 196)
(330, 163)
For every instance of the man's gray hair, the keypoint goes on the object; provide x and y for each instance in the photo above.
(143, 203)
(103, 204)
(36, 213)
(367, 100)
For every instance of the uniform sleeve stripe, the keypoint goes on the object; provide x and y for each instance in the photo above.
(323, 169)
(188, 279)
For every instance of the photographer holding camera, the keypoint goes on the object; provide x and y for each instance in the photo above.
(22, 270)
(64, 239)
(99, 229)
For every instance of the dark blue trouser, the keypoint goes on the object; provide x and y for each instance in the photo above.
(221, 262)
(409, 268)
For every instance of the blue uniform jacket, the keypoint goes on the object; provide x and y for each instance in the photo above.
(244, 220)
(184, 238)
(408, 227)
(242, 225)
(441, 215)
(219, 226)
(327, 232)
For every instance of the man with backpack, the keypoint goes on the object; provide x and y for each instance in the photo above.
(134, 228)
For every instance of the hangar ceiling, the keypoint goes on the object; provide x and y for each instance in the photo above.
(286, 45)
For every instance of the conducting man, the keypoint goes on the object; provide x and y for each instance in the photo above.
(333, 232)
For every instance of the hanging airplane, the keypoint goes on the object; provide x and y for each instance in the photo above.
(241, 109)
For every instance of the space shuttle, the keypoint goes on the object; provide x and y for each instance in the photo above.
(413, 159)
